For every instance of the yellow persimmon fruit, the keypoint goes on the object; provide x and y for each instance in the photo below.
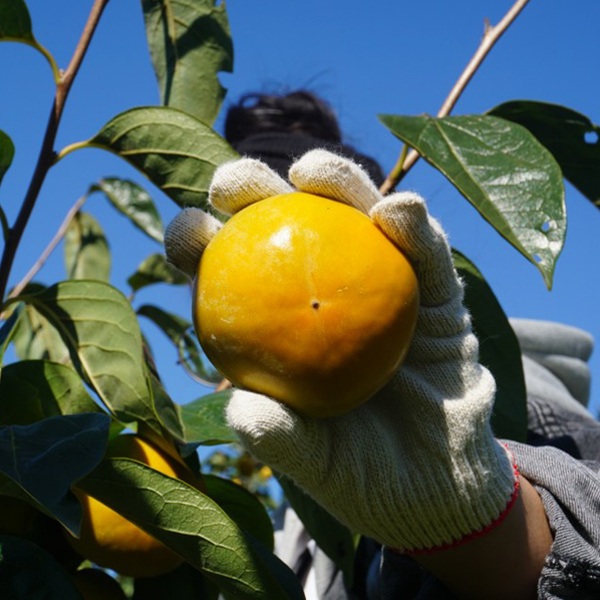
(304, 299)
(113, 542)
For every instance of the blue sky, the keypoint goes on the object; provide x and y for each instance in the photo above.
(387, 57)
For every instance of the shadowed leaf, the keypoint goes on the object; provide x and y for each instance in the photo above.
(501, 168)
(499, 351)
(15, 22)
(190, 43)
(28, 571)
(135, 203)
(7, 153)
(32, 390)
(45, 458)
(156, 269)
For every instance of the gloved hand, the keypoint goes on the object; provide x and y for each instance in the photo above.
(416, 467)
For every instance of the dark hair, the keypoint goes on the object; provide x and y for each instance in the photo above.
(296, 112)
(280, 129)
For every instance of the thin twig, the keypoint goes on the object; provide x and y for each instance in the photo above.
(47, 153)
(492, 34)
(39, 263)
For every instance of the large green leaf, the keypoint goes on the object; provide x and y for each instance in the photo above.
(15, 22)
(205, 422)
(32, 390)
(571, 137)
(190, 43)
(100, 328)
(176, 151)
(45, 458)
(194, 526)
(7, 152)
(86, 249)
(501, 168)
(335, 539)
(156, 269)
(181, 333)
(241, 506)
(35, 337)
(499, 351)
(28, 571)
(135, 203)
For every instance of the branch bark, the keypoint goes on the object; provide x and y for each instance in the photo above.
(47, 153)
(492, 34)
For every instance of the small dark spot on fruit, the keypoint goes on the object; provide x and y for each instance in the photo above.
(316, 305)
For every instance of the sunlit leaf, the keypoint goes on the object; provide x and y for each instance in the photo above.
(176, 151)
(205, 422)
(181, 333)
(45, 458)
(190, 43)
(87, 255)
(156, 269)
(330, 535)
(100, 328)
(28, 571)
(32, 390)
(501, 168)
(241, 506)
(499, 351)
(135, 203)
(194, 526)
(571, 137)
(7, 152)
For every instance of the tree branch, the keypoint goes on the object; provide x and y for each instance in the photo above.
(492, 34)
(47, 153)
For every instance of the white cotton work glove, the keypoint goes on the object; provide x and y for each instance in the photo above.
(417, 466)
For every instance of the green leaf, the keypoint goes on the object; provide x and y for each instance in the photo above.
(15, 22)
(100, 328)
(7, 331)
(86, 249)
(571, 137)
(182, 335)
(35, 337)
(500, 168)
(45, 458)
(241, 506)
(174, 150)
(167, 411)
(499, 351)
(7, 150)
(192, 525)
(27, 571)
(156, 269)
(190, 43)
(135, 203)
(32, 390)
(205, 422)
(335, 539)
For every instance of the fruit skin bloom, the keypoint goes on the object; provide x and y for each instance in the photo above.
(305, 300)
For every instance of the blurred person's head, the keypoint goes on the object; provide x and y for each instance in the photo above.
(278, 129)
